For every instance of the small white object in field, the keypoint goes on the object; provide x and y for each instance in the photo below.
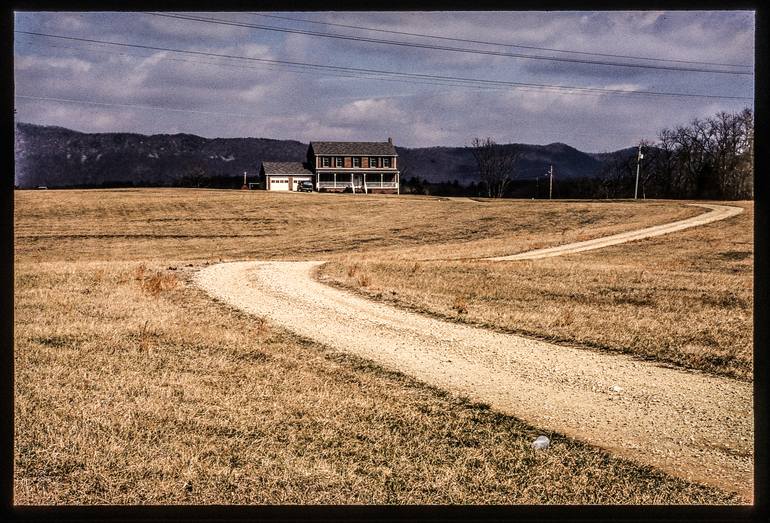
(541, 442)
(616, 388)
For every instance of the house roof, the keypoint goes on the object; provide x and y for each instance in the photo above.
(285, 168)
(354, 148)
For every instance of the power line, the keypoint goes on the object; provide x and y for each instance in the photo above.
(290, 68)
(293, 69)
(132, 106)
(216, 113)
(420, 76)
(219, 21)
(299, 69)
(501, 44)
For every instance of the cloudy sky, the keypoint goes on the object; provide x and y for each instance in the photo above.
(236, 80)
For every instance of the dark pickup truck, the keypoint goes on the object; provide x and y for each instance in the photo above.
(305, 187)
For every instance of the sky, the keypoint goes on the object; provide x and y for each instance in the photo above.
(252, 91)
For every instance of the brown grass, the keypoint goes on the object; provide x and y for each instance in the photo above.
(154, 284)
(198, 225)
(684, 298)
(127, 398)
(132, 386)
(364, 280)
(460, 304)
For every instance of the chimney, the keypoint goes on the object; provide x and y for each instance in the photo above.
(390, 140)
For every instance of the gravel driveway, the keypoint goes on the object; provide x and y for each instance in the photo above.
(718, 212)
(690, 424)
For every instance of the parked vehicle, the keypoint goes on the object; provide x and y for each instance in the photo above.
(305, 186)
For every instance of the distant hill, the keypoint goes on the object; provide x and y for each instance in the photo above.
(446, 164)
(59, 157)
(620, 154)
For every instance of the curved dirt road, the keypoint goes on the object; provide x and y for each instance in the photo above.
(718, 212)
(692, 425)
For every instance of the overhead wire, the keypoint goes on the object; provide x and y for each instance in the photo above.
(401, 75)
(140, 106)
(145, 106)
(362, 75)
(445, 48)
(206, 113)
(291, 68)
(500, 44)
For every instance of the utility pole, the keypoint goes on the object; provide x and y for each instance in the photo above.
(245, 185)
(638, 164)
(550, 184)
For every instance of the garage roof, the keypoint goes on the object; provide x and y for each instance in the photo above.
(284, 168)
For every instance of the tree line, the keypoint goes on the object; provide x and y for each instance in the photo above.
(709, 158)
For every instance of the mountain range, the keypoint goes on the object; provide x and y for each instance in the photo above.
(59, 157)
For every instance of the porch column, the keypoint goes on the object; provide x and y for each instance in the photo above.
(352, 183)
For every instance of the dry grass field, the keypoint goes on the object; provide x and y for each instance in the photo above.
(133, 386)
(684, 299)
(208, 225)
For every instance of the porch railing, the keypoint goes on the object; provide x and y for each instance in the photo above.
(340, 184)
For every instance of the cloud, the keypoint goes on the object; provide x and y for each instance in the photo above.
(307, 103)
(367, 111)
(66, 22)
(72, 65)
(186, 30)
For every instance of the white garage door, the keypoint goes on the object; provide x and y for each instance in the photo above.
(279, 184)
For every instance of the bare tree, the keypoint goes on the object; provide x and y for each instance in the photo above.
(617, 176)
(495, 163)
(732, 152)
(665, 163)
(711, 158)
(197, 176)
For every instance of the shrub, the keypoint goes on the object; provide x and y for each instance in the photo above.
(364, 280)
(155, 283)
(460, 305)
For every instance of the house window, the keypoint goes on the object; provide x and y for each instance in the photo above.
(386, 162)
(356, 161)
(325, 161)
(338, 161)
(373, 161)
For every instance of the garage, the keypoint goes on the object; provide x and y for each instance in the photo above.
(278, 184)
(284, 176)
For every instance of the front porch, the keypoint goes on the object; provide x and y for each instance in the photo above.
(358, 182)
